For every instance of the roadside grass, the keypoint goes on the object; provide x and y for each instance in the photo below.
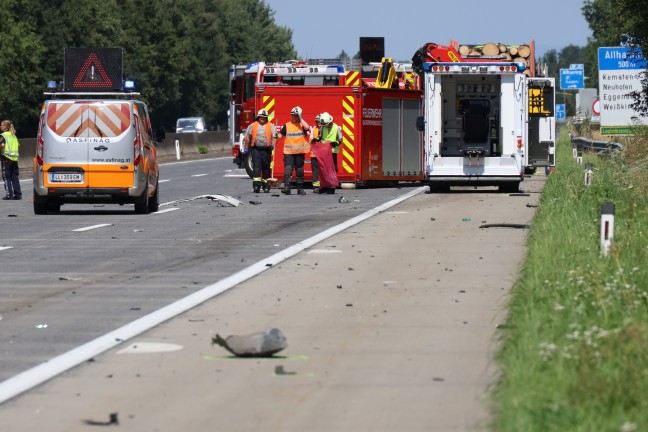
(202, 149)
(574, 348)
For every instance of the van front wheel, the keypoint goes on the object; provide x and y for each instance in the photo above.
(141, 202)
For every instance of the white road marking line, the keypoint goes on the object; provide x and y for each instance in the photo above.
(163, 181)
(47, 370)
(5, 247)
(88, 228)
(198, 175)
(170, 209)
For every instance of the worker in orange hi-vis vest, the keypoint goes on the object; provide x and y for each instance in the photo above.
(260, 138)
(296, 145)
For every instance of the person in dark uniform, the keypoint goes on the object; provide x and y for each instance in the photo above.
(9, 155)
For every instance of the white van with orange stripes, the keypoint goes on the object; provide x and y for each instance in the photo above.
(95, 151)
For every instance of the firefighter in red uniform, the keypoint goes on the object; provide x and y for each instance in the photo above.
(260, 138)
(296, 145)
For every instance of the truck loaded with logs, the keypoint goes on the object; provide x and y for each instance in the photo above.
(488, 117)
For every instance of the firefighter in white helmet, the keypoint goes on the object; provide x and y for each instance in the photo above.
(260, 138)
(331, 134)
(296, 145)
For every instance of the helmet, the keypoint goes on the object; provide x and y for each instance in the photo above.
(317, 118)
(296, 111)
(326, 118)
(262, 113)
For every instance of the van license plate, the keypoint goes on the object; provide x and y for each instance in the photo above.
(66, 177)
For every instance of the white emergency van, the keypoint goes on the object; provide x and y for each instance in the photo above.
(95, 142)
(91, 151)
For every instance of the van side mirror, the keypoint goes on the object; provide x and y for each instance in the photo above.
(160, 134)
(420, 124)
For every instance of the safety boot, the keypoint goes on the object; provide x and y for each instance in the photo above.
(266, 188)
(316, 189)
(286, 190)
(256, 185)
(301, 191)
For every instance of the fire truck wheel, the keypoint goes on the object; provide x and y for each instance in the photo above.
(247, 162)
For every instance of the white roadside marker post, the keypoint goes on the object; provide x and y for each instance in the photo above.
(177, 146)
(607, 227)
(588, 174)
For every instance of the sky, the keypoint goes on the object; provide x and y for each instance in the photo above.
(322, 29)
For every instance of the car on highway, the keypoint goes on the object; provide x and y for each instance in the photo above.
(191, 125)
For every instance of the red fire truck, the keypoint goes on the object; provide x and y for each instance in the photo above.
(361, 100)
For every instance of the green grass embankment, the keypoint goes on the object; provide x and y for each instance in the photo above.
(574, 353)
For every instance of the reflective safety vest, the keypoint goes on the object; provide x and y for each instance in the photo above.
(332, 134)
(265, 141)
(296, 141)
(11, 146)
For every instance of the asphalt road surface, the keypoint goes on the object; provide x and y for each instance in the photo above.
(390, 323)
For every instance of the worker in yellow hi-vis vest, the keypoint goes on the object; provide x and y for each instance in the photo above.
(331, 134)
(9, 154)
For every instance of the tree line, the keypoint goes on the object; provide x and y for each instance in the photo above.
(179, 51)
(612, 22)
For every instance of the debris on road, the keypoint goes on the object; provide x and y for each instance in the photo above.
(505, 225)
(262, 344)
(279, 370)
(113, 421)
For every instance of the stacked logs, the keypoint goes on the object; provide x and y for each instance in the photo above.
(516, 53)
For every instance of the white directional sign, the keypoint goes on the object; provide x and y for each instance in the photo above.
(620, 73)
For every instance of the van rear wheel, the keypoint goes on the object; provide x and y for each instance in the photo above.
(142, 202)
(40, 204)
(154, 201)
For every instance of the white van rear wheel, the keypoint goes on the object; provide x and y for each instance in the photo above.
(154, 201)
(40, 204)
(142, 202)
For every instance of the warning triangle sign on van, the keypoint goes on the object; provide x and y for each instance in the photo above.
(92, 69)
(92, 74)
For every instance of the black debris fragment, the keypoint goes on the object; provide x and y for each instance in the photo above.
(505, 225)
(279, 370)
(112, 421)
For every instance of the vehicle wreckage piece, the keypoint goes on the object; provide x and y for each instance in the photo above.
(261, 344)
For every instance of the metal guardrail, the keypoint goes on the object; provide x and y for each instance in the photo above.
(587, 145)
